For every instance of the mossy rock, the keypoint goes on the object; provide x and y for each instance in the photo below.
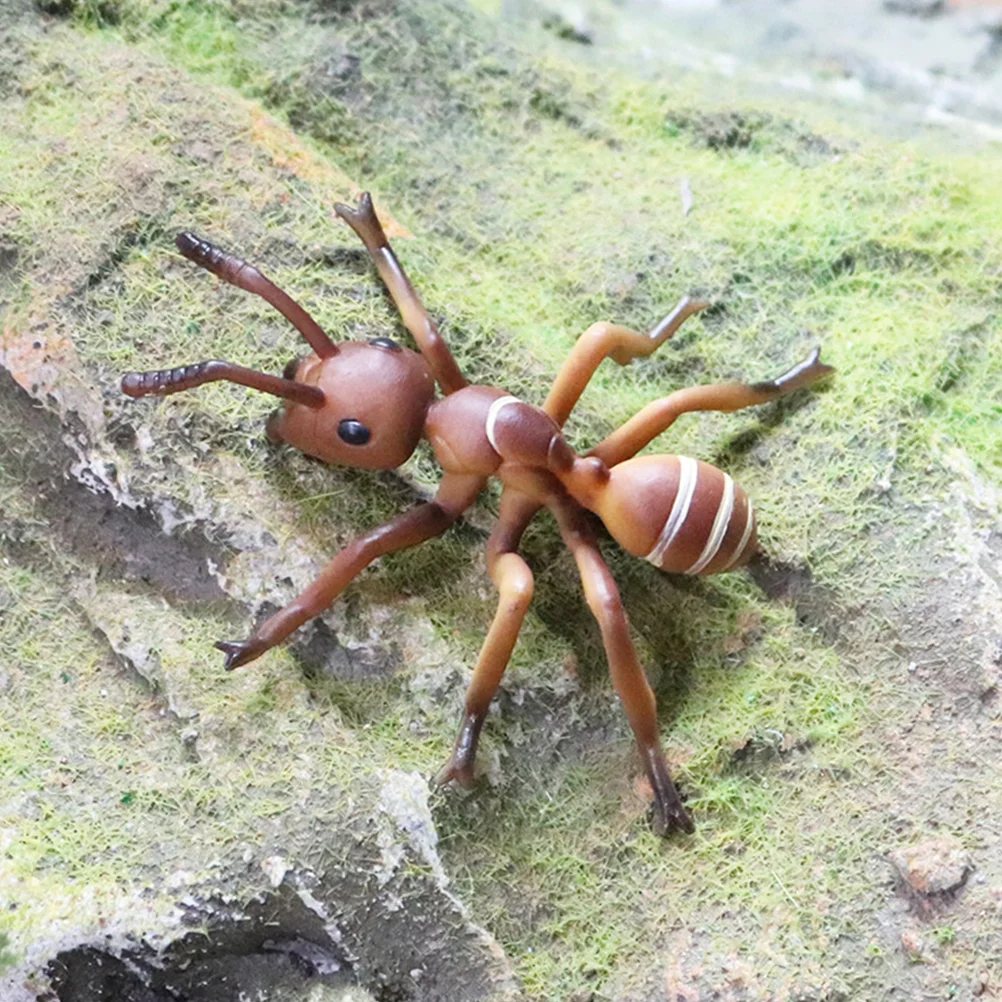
(835, 703)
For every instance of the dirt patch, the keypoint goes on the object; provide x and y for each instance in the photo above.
(138, 233)
(725, 130)
(965, 349)
(286, 944)
(325, 656)
(818, 606)
(733, 130)
(877, 256)
(17, 23)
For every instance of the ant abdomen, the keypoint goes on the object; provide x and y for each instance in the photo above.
(683, 515)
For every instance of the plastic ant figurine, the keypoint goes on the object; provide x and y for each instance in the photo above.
(368, 404)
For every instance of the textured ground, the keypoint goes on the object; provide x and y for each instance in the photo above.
(169, 831)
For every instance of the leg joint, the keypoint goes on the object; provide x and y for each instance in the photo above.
(605, 603)
(518, 588)
(514, 579)
(599, 331)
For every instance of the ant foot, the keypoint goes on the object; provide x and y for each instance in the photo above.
(804, 373)
(456, 771)
(670, 814)
(239, 653)
(671, 817)
(363, 220)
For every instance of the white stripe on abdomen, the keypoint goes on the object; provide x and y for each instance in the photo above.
(687, 477)
(745, 536)
(721, 523)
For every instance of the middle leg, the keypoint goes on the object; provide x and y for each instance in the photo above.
(514, 581)
(605, 340)
(628, 676)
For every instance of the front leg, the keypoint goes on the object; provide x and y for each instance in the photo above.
(604, 340)
(365, 223)
(455, 494)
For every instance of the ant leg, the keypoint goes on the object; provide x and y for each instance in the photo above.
(455, 494)
(364, 222)
(164, 381)
(604, 340)
(514, 582)
(245, 276)
(627, 675)
(630, 438)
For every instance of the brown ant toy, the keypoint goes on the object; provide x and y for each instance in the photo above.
(368, 404)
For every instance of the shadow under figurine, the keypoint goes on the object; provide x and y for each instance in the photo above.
(368, 404)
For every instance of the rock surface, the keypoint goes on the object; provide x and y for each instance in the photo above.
(932, 868)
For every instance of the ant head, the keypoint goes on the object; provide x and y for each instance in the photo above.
(377, 398)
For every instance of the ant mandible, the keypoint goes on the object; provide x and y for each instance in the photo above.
(368, 404)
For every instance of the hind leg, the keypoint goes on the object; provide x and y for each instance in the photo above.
(631, 437)
(627, 675)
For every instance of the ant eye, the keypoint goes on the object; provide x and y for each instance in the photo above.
(353, 432)
(385, 342)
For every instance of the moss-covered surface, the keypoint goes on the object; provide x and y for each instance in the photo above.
(833, 705)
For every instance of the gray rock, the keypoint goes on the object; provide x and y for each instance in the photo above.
(934, 868)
